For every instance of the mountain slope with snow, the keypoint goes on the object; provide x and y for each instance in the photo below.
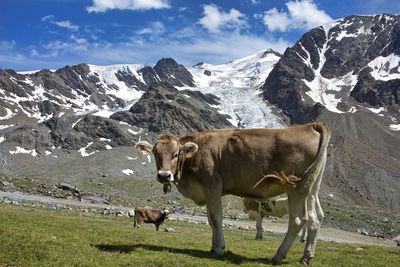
(346, 66)
(81, 89)
(237, 85)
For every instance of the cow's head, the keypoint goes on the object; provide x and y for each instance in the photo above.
(166, 212)
(170, 156)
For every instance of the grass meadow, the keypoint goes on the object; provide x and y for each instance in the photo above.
(44, 237)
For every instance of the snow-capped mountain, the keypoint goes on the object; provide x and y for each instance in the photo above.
(81, 89)
(347, 66)
(104, 90)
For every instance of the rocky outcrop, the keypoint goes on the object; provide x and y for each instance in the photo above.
(164, 109)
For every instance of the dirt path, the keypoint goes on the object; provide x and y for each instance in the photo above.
(326, 234)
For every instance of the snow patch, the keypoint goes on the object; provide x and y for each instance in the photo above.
(325, 91)
(377, 110)
(21, 150)
(8, 115)
(385, 68)
(107, 77)
(130, 158)
(75, 123)
(108, 147)
(2, 139)
(83, 151)
(128, 171)
(394, 127)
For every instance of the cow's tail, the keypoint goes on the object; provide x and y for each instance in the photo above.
(314, 172)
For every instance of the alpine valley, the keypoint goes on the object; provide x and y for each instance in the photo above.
(80, 123)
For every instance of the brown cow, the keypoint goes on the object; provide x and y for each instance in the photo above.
(274, 206)
(154, 216)
(255, 163)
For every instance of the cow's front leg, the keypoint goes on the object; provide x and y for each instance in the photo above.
(214, 213)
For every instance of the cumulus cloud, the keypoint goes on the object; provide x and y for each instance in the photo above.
(301, 14)
(105, 5)
(213, 19)
(60, 23)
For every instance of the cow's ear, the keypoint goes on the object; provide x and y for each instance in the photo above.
(144, 147)
(189, 149)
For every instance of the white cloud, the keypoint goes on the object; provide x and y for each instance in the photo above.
(276, 20)
(66, 24)
(105, 5)
(155, 28)
(48, 17)
(301, 14)
(213, 19)
(61, 23)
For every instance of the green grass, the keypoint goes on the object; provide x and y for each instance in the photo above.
(43, 237)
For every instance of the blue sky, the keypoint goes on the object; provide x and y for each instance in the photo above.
(36, 34)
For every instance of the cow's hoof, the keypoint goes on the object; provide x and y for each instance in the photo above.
(276, 260)
(302, 240)
(306, 260)
(217, 252)
(259, 238)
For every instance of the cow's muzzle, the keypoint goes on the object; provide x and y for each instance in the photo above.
(165, 177)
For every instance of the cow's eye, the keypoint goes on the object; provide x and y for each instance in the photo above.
(176, 155)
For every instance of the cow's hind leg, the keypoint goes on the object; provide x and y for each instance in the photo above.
(315, 215)
(259, 228)
(297, 220)
(214, 214)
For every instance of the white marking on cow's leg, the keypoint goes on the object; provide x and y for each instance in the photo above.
(297, 209)
(214, 214)
(259, 228)
(316, 215)
(312, 229)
